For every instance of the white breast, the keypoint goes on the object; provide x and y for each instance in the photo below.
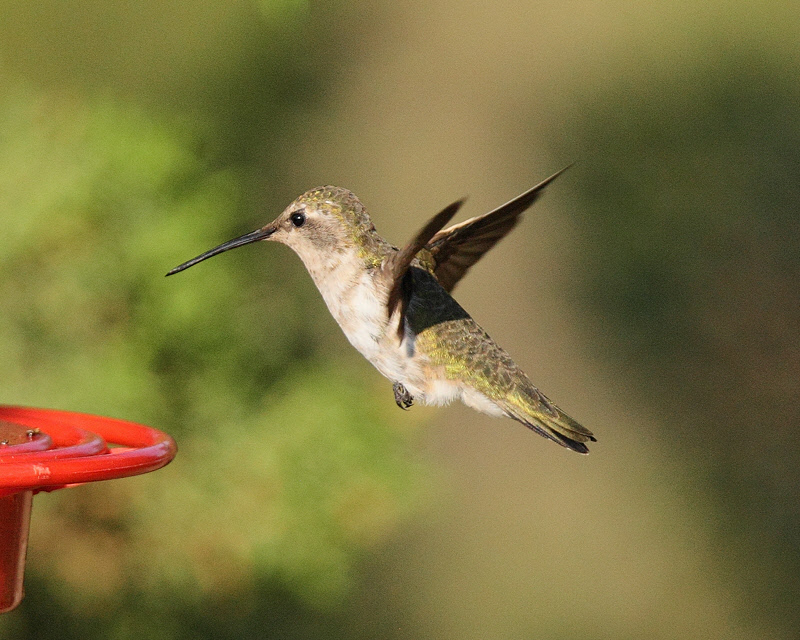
(358, 304)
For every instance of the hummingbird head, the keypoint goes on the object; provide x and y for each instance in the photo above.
(322, 226)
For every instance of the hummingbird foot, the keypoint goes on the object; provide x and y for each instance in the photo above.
(402, 397)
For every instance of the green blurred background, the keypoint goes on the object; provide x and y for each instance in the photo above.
(654, 293)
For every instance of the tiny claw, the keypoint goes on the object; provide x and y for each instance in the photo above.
(402, 397)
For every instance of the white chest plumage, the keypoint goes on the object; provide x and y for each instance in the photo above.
(357, 301)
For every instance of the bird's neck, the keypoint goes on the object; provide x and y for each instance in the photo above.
(350, 284)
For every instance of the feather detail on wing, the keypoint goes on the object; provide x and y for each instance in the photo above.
(397, 264)
(449, 253)
(455, 249)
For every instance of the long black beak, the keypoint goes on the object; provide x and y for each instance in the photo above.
(247, 238)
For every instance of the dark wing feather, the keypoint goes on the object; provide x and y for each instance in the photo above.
(455, 249)
(397, 264)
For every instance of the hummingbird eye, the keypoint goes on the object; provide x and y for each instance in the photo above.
(298, 218)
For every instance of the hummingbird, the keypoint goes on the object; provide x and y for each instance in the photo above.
(395, 305)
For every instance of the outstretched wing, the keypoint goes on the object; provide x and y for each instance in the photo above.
(455, 249)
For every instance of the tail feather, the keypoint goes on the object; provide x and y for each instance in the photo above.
(536, 412)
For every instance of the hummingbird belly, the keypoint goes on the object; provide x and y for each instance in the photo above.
(428, 383)
(360, 310)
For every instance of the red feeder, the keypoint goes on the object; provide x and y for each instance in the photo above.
(44, 450)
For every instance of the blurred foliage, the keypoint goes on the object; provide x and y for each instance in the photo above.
(689, 210)
(285, 474)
